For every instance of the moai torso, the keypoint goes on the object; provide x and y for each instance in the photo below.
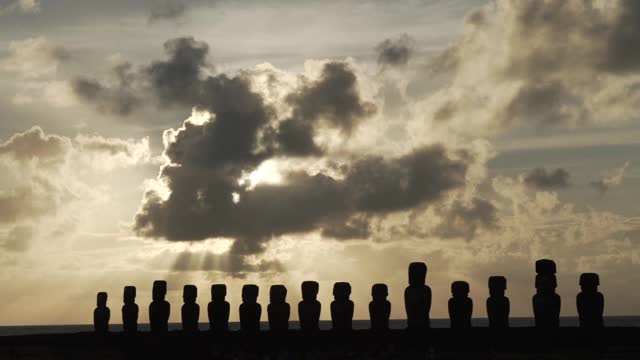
(250, 310)
(460, 306)
(101, 314)
(218, 309)
(159, 309)
(379, 308)
(130, 310)
(309, 308)
(190, 309)
(278, 310)
(342, 307)
(590, 302)
(498, 306)
(417, 298)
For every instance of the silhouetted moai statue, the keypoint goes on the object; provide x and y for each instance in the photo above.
(250, 310)
(278, 310)
(159, 309)
(218, 308)
(190, 309)
(130, 310)
(101, 314)
(309, 308)
(590, 302)
(379, 308)
(546, 303)
(341, 307)
(460, 305)
(498, 305)
(417, 297)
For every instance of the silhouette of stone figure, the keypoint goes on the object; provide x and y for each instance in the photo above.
(190, 309)
(460, 305)
(250, 310)
(498, 305)
(379, 308)
(278, 309)
(101, 314)
(130, 310)
(218, 308)
(417, 297)
(309, 308)
(159, 309)
(590, 302)
(341, 307)
(546, 303)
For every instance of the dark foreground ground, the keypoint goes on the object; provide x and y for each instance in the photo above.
(476, 343)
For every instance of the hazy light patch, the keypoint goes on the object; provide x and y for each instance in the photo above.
(235, 197)
(267, 173)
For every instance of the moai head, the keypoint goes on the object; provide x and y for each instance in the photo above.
(159, 290)
(310, 290)
(189, 294)
(218, 292)
(101, 299)
(277, 294)
(589, 282)
(129, 294)
(341, 291)
(250, 293)
(546, 283)
(417, 273)
(460, 289)
(497, 285)
(379, 292)
(545, 267)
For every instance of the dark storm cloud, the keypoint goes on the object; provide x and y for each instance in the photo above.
(333, 99)
(541, 178)
(395, 52)
(465, 220)
(242, 117)
(200, 205)
(178, 80)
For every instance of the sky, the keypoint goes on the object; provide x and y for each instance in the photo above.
(272, 142)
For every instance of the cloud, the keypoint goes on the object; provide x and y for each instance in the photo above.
(334, 99)
(542, 179)
(42, 176)
(174, 9)
(18, 239)
(538, 64)
(167, 10)
(36, 61)
(395, 52)
(236, 265)
(614, 179)
(34, 57)
(200, 181)
(20, 6)
(463, 220)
